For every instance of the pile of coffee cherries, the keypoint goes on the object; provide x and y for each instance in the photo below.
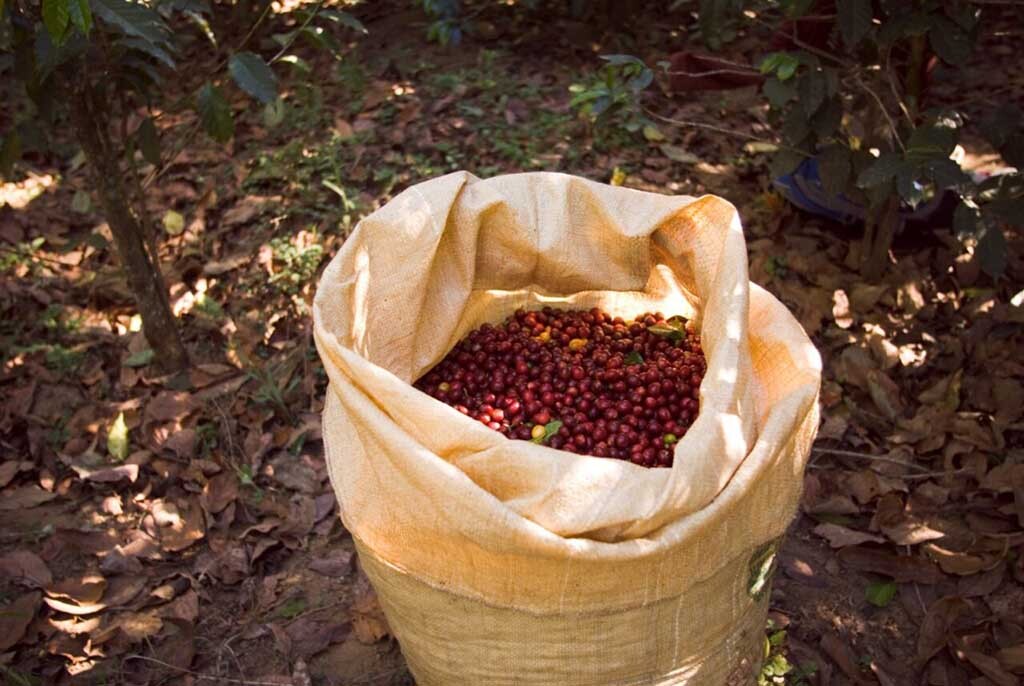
(578, 380)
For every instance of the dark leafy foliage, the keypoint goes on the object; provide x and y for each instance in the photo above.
(854, 101)
(136, 46)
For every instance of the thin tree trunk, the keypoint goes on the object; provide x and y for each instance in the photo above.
(879, 232)
(142, 270)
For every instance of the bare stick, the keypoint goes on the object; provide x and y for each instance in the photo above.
(885, 112)
(891, 78)
(718, 129)
(199, 675)
(868, 456)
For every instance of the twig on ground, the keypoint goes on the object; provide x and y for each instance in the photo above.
(200, 675)
(683, 123)
(869, 456)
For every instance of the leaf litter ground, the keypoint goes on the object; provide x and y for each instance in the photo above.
(182, 529)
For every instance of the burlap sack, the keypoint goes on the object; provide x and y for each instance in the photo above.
(506, 562)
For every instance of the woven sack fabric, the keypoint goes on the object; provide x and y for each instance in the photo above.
(506, 562)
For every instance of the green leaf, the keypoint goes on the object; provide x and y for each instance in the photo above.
(203, 24)
(992, 251)
(930, 142)
(149, 141)
(550, 429)
(81, 202)
(1001, 124)
(786, 161)
(10, 152)
(81, 15)
(880, 594)
(811, 91)
(945, 173)
(618, 60)
(273, 113)
(907, 187)
(854, 20)
(139, 359)
(827, 119)
(56, 18)
(782, 64)
(292, 608)
(343, 18)
(634, 358)
(796, 126)
(253, 76)
(965, 221)
(1013, 150)
(835, 169)
(301, 65)
(117, 439)
(679, 154)
(215, 114)
(1010, 210)
(173, 222)
(884, 168)
(948, 41)
(147, 47)
(674, 330)
(641, 81)
(652, 133)
(797, 8)
(133, 19)
(778, 93)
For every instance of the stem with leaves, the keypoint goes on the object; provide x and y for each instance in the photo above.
(90, 124)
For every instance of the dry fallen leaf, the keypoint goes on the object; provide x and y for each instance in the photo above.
(178, 528)
(885, 394)
(990, 667)
(899, 567)
(88, 542)
(138, 626)
(935, 627)
(1012, 658)
(338, 564)
(24, 498)
(1001, 478)
(122, 590)
(219, 491)
(25, 567)
(312, 633)
(244, 211)
(841, 654)
(983, 583)
(108, 474)
(8, 470)
(841, 537)
(953, 562)
(178, 649)
(84, 589)
(15, 618)
(368, 621)
(841, 309)
(77, 596)
(169, 406)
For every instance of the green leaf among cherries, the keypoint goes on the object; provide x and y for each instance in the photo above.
(674, 329)
(550, 429)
